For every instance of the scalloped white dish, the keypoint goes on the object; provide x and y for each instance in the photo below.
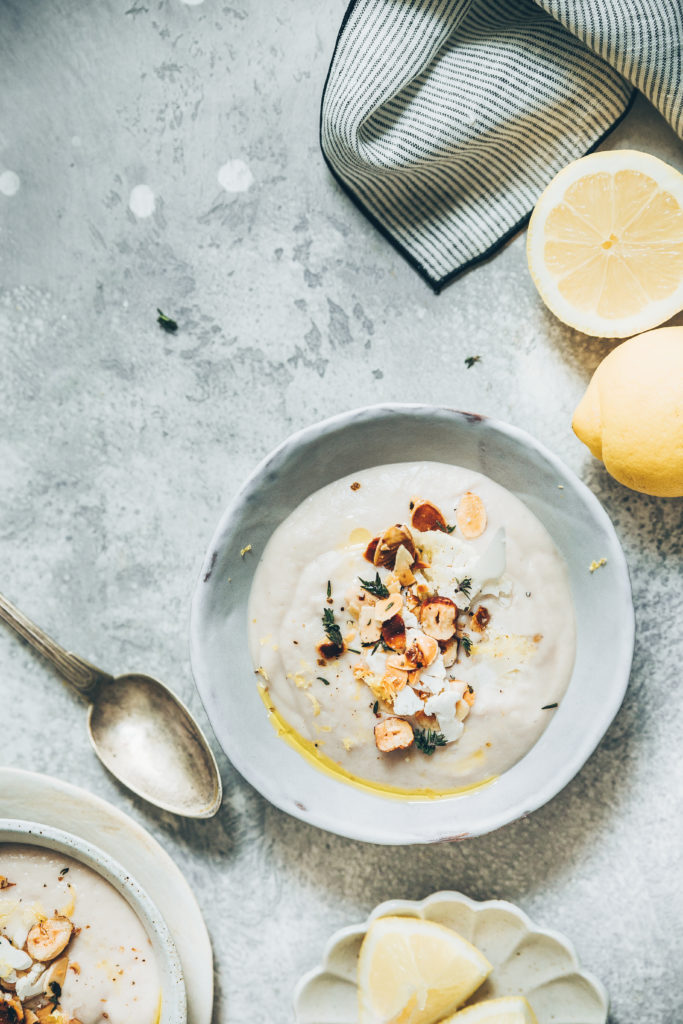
(527, 960)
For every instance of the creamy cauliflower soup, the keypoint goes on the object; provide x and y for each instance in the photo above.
(72, 950)
(413, 628)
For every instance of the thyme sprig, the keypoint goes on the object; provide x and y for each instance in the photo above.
(464, 587)
(427, 740)
(376, 644)
(375, 587)
(332, 630)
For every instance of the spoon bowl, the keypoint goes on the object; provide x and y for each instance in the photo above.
(139, 729)
(148, 739)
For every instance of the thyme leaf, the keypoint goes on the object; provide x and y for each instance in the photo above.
(547, 707)
(471, 360)
(167, 322)
(464, 587)
(325, 681)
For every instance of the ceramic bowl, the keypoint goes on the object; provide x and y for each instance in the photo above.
(173, 1002)
(358, 440)
(528, 961)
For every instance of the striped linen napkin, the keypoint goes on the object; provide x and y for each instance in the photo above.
(444, 120)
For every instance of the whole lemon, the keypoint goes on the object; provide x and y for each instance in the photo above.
(631, 415)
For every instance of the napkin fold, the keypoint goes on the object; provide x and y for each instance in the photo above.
(444, 120)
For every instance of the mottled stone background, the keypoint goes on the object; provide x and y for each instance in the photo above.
(120, 445)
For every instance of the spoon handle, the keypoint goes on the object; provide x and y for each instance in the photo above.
(83, 676)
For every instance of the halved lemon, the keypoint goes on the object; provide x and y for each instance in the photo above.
(412, 971)
(508, 1010)
(605, 243)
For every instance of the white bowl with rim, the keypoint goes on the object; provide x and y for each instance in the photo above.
(360, 439)
(28, 833)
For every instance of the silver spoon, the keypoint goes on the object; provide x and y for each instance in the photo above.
(139, 730)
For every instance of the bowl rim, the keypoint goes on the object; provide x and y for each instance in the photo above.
(416, 908)
(522, 805)
(29, 833)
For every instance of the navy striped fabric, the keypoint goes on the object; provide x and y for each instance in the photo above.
(445, 119)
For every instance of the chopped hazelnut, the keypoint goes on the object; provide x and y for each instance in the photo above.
(370, 550)
(394, 633)
(48, 938)
(423, 651)
(393, 734)
(471, 516)
(449, 650)
(480, 619)
(438, 617)
(369, 628)
(427, 516)
(389, 543)
(388, 608)
(403, 567)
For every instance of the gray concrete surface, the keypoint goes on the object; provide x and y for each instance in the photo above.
(120, 445)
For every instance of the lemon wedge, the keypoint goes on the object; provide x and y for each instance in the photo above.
(412, 971)
(631, 415)
(508, 1010)
(605, 243)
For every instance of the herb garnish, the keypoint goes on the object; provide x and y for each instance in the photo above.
(354, 650)
(464, 587)
(471, 360)
(375, 707)
(375, 644)
(166, 322)
(63, 872)
(325, 681)
(444, 529)
(56, 990)
(329, 589)
(547, 707)
(466, 644)
(427, 740)
(375, 586)
(332, 630)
